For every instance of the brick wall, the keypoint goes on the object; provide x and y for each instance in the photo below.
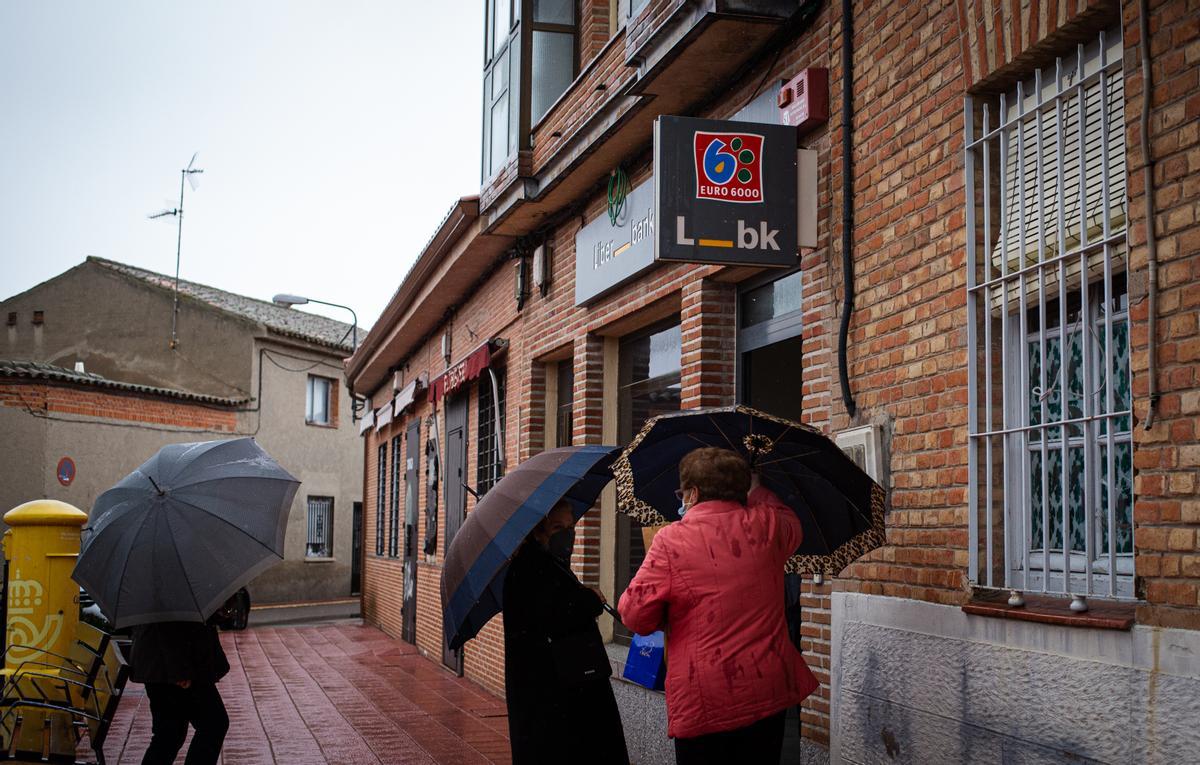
(1167, 456)
(71, 401)
(907, 350)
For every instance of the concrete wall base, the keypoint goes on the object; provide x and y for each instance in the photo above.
(916, 682)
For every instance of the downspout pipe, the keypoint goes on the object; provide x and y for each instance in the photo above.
(847, 203)
(1151, 237)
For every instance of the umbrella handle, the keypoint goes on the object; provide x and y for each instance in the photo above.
(612, 612)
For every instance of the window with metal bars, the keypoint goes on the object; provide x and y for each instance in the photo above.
(380, 496)
(320, 528)
(1050, 454)
(489, 466)
(393, 545)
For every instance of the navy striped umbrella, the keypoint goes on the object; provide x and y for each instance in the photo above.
(473, 574)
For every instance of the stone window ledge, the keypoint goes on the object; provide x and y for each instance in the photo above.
(1101, 614)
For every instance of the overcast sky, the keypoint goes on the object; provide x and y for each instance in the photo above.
(334, 136)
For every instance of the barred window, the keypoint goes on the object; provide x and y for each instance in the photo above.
(320, 528)
(380, 496)
(490, 463)
(394, 508)
(1050, 457)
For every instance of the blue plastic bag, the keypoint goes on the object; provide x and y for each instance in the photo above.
(646, 663)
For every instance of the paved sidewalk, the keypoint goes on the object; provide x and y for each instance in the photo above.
(335, 693)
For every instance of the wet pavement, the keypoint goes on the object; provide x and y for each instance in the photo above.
(335, 693)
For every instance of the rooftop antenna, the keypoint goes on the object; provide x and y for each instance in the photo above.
(190, 174)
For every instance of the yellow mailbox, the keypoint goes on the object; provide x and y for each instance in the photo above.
(43, 601)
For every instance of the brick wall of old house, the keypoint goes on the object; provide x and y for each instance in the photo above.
(49, 400)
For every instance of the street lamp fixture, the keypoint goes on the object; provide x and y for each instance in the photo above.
(287, 301)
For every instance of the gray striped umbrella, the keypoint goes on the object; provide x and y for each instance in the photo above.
(477, 561)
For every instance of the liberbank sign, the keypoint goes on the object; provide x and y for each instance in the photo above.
(723, 192)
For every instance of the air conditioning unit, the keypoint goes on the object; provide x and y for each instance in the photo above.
(804, 99)
(864, 446)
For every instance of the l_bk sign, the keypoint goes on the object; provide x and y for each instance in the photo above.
(725, 192)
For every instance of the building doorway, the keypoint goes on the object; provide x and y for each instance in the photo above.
(770, 375)
(456, 495)
(769, 346)
(356, 549)
(649, 366)
(412, 477)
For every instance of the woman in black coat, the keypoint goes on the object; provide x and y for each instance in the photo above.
(560, 702)
(180, 664)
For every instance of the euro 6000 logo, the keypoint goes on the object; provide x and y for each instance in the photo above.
(729, 166)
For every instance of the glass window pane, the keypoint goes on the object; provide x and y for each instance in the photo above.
(503, 22)
(635, 7)
(665, 348)
(500, 75)
(553, 69)
(554, 11)
(499, 138)
(771, 300)
(566, 403)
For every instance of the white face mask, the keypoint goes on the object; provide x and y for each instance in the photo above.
(683, 508)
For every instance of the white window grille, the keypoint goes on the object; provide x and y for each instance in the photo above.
(1050, 456)
(320, 528)
(394, 507)
(490, 457)
(316, 405)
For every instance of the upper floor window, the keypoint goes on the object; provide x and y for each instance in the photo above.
(527, 66)
(317, 401)
(1050, 458)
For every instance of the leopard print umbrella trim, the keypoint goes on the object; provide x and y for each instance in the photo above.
(831, 564)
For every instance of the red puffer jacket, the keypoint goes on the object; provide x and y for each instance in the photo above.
(714, 582)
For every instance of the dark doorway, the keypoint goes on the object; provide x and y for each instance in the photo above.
(769, 346)
(356, 550)
(412, 487)
(456, 495)
(649, 379)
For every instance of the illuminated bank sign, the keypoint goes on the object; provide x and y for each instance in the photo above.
(725, 192)
(607, 254)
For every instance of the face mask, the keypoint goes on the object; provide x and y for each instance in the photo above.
(683, 508)
(562, 544)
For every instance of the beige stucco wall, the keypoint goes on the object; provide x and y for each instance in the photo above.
(328, 462)
(121, 329)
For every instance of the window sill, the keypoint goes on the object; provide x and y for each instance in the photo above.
(326, 425)
(318, 559)
(1101, 614)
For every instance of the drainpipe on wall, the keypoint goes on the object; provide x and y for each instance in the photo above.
(1151, 238)
(847, 204)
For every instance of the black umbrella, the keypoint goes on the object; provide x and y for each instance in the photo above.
(840, 507)
(179, 535)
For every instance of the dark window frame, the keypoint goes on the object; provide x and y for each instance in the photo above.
(380, 496)
(325, 530)
(393, 545)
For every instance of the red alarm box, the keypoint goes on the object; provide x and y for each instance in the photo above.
(804, 100)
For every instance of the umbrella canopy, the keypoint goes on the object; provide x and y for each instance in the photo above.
(473, 574)
(840, 507)
(179, 535)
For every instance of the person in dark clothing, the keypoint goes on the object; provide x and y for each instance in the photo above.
(561, 706)
(180, 664)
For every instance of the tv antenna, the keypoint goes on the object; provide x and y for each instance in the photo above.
(190, 174)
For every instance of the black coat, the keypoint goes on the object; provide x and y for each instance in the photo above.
(550, 721)
(168, 652)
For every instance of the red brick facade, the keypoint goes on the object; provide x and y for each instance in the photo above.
(914, 65)
(70, 401)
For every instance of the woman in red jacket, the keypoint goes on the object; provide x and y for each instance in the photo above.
(714, 582)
